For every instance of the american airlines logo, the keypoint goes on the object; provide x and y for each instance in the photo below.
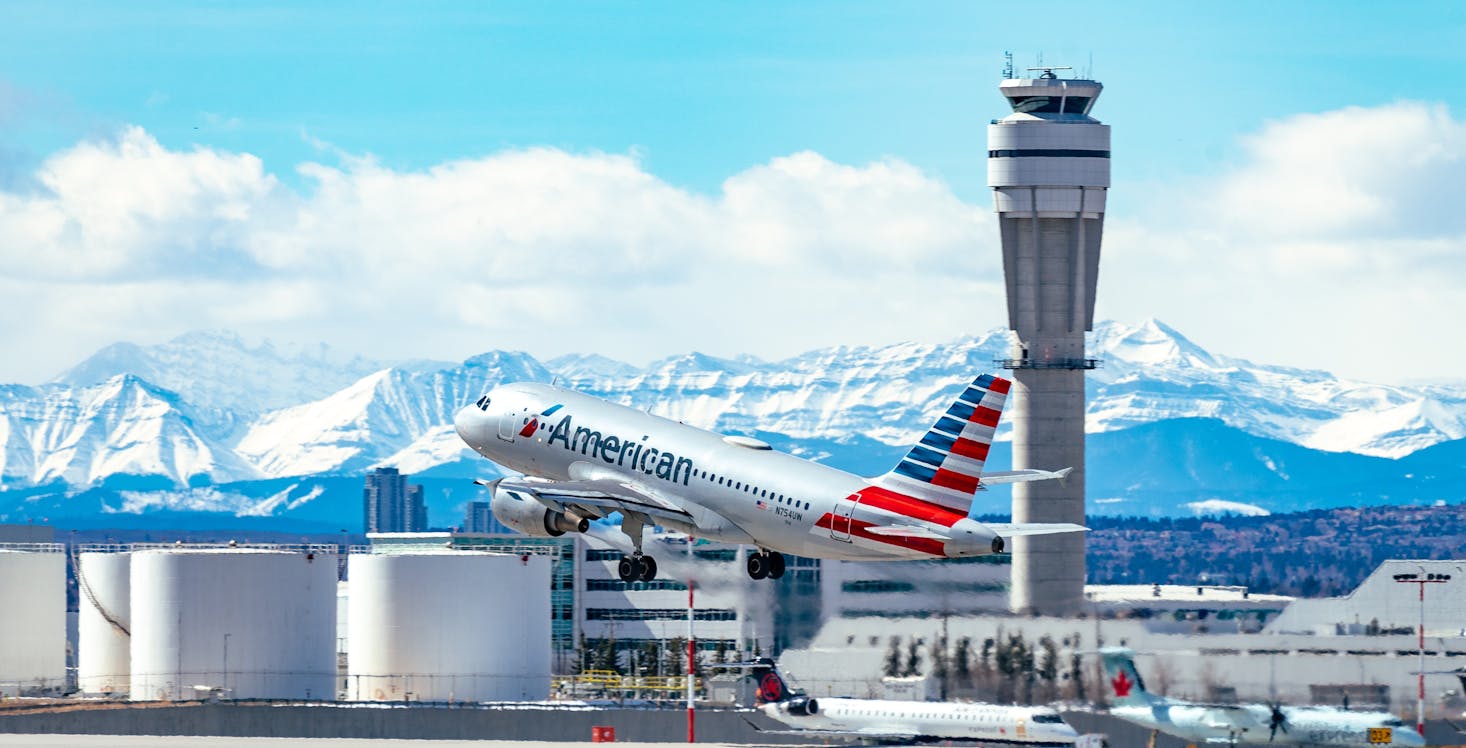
(620, 451)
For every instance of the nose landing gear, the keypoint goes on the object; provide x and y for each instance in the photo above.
(768, 564)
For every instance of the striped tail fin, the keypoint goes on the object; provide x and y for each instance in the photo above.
(946, 465)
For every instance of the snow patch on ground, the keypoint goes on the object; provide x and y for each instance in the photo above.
(1221, 506)
(209, 499)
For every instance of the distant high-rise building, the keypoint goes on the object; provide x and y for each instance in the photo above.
(391, 504)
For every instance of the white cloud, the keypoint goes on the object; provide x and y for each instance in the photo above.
(1336, 243)
(537, 249)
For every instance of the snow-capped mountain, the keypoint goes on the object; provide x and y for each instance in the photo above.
(1153, 373)
(123, 426)
(390, 417)
(217, 372)
(207, 408)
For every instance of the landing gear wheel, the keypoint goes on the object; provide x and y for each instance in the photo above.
(758, 566)
(629, 569)
(776, 565)
(648, 569)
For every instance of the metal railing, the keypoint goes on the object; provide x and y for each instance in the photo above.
(610, 684)
(33, 547)
(1051, 363)
(182, 546)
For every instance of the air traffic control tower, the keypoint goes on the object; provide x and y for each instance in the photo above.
(1049, 167)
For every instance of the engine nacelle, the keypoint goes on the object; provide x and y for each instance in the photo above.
(804, 707)
(519, 510)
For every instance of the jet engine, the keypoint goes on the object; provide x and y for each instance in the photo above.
(519, 510)
(804, 707)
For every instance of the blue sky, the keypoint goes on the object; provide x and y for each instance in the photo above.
(697, 94)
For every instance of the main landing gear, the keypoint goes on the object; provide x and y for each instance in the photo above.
(766, 564)
(637, 567)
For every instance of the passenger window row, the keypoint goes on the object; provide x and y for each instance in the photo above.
(748, 488)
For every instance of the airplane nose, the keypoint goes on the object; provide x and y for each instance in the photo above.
(467, 422)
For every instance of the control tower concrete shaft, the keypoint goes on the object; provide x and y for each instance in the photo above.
(1049, 167)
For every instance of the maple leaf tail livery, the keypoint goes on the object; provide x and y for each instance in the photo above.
(585, 459)
(1126, 687)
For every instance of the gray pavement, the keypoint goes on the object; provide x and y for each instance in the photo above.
(147, 741)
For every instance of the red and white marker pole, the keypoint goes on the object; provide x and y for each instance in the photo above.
(691, 727)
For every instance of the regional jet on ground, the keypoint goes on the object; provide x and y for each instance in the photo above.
(584, 458)
(1230, 724)
(907, 721)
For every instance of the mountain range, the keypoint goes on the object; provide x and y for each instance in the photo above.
(208, 427)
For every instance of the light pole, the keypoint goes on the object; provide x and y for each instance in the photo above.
(1421, 580)
(226, 662)
(691, 651)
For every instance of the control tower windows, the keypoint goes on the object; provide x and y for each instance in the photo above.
(1050, 104)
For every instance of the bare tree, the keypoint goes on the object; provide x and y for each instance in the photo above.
(962, 662)
(937, 652)
(1048, 668)
(1162, 676)
(913, 658)
(893, 658)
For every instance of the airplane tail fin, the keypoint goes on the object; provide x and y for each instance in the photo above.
(771, 688)
(945, 467)
(1125, 685)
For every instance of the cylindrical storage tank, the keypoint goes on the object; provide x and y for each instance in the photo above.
(103, 662)
(239, 623)
(32, 619)
(448, 626)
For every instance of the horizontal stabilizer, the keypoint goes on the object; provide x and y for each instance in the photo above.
(1019, 529)
(997, 477)
(905, 531)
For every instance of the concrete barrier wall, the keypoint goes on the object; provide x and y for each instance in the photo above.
(472, 723)
(426, 723)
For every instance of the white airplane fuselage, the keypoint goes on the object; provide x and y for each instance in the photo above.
(871, 717)
(734, 490)
(1321, 726)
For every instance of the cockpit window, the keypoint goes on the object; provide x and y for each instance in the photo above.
(1048, 718)
(483, 403)
(1396, 722)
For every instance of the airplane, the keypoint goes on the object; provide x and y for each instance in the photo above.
(1230, 724)
(583, 458)
(905, 721)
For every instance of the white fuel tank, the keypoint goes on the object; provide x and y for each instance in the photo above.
(448, 626)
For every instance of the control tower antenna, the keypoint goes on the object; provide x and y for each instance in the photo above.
(1048, 71)
(1049, 167)
(1007, 66)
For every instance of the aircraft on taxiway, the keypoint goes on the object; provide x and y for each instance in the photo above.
(907, 721)
(1230, 724)
(584, 458)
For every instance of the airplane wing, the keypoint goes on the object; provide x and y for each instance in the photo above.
(1230, 716)
(597, 498)
(1013, 530)
(997, 477)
